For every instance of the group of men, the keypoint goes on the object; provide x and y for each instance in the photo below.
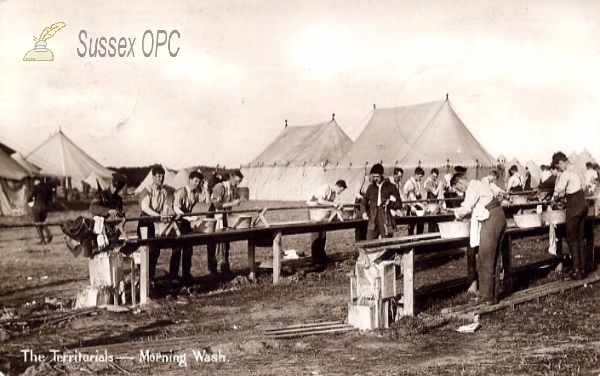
(380, 198)
(158, 204)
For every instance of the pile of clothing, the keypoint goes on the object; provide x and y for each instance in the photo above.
(89, 236)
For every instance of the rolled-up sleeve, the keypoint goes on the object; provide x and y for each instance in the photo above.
(471, 198)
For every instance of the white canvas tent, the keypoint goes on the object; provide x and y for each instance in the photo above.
(294, 163)
(13, 186)
(94, 180)
(535, 172)
(60, 157)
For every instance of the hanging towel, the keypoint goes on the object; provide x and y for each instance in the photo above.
(552, 240)
(479, 215)
(100, 230)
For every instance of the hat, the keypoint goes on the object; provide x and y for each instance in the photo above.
(460, 169)
(377, 169)
(341, 183)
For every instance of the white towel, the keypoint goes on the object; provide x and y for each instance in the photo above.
(552, 240)
(98, 225)
(479, 215)
(100, 230)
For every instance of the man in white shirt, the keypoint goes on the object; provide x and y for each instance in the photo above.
(413, 192)
(153, 204)
(223, 198)
(479, 193)
(591, 178)
(515, 182)
(325, 196)
(491, 180)
(570, 184)
(185, 199)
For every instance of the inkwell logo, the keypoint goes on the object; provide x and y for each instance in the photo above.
(40, 52)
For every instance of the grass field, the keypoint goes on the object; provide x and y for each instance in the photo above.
(556, 335)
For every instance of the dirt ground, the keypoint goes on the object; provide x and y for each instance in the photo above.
(555, 335)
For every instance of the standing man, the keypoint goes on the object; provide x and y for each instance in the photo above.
(514, 183)
(183, 203)
(381, 197)
(360, 232)
(223, 198)
(570, 184)
(325, 196)
(591, 178)
(491, 180)
(435, 190)
(413, 192)
(153, 204)
(479, 194)
(41, 195)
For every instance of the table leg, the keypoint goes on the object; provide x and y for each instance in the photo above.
(472, 269)
(506, 251)
(277, 246)
(252, 258)
(408, 263)
(588, 258)
(144, 273)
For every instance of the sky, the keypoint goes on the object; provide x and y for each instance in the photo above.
(522, 75)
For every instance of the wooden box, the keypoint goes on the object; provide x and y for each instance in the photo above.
(365, 279)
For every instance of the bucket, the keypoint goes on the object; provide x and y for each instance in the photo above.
(318, 215)
(518, 200)
(555, 217)
(454, 229)
(528, 220)
(204, 225)
(347, 213)
(432, 208)
(239, 221)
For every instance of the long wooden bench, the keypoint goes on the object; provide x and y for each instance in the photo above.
(382, 249)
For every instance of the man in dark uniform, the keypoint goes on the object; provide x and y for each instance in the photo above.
(41, 195)
(109, 204)
(381, 196)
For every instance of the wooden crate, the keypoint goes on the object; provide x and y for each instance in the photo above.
(366, 277)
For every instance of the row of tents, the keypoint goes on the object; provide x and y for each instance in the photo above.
(429, 135)
(59, 157)
(579, 160)
(301, 158)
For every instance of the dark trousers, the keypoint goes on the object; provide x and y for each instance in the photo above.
(377, 226)
(317, 245)
(575, 223)
(490, 241)
(154, 251)
(415, 228)
(187, 250)
(39, 215)
(218, 255)
(360, 232)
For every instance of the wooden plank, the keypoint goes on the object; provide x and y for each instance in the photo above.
(277, 249)
(397, 240)
(309, 325)
(539, 293)
(252, 258)
(306, 329)
(144, 271)
(316, 332)
(408, 263)
(506, 254)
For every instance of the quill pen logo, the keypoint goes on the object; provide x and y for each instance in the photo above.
(40, 52)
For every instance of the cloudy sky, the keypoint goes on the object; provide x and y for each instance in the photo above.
(523, 75)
